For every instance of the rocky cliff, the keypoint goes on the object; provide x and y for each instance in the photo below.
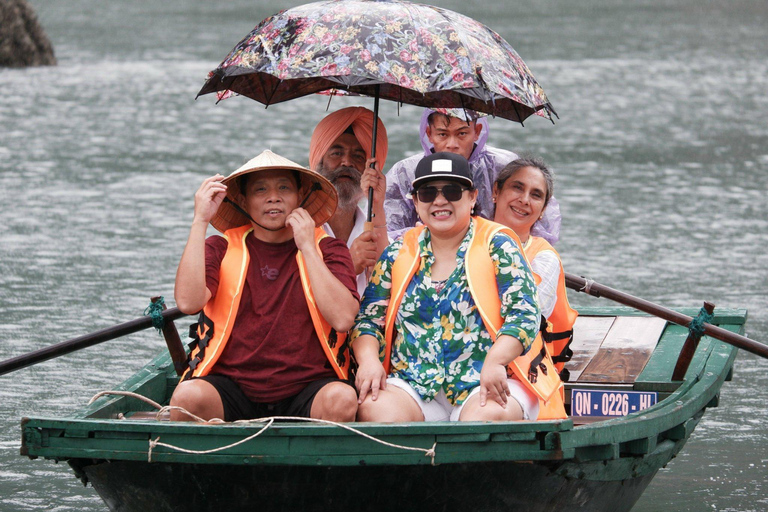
(22, 40)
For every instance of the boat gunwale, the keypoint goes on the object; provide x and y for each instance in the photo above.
(551, 440)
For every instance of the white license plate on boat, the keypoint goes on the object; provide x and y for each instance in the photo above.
(610, 403)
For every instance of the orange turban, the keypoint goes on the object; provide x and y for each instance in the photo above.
(333, 125)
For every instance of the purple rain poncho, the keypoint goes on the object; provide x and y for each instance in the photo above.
(485, 163)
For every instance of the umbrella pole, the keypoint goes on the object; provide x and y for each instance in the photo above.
(369, 217)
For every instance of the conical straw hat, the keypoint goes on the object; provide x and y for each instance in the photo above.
(321, 203)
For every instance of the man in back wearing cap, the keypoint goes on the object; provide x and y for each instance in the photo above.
(340, 150)
(465, 133)
(274, 292)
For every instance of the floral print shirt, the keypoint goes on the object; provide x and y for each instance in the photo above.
(441, 341)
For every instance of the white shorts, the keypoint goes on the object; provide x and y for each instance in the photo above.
(440, 409)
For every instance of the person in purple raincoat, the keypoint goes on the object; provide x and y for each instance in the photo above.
(465, 133)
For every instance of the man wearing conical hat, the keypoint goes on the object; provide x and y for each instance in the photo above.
(340, 149)
(277, 296)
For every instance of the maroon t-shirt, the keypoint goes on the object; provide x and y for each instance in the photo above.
(274, 352)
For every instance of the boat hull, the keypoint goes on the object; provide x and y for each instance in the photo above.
(484, 487)
(138, 462)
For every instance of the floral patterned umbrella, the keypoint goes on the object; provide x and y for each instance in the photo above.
(397, 50)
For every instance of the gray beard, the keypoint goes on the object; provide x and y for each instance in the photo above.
(349, 195)
(349, 192)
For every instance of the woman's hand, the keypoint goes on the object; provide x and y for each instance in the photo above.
(493, 376)
(370, 377)
(493, 384)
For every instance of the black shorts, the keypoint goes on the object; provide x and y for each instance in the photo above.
(237, 406)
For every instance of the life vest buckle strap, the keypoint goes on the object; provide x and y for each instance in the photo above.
(539, 357)
(343, 353)
(537, 364)
(205, 325)
(564, 356)
(549, 337)
(193, 362)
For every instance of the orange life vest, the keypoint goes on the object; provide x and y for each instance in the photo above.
(217, 318)
(557, 329)
(534, 368)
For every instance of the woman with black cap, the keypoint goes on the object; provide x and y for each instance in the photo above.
(448, 325)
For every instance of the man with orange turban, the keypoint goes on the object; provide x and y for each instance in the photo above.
(340, 150)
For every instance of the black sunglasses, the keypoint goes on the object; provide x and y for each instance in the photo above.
(451, 192)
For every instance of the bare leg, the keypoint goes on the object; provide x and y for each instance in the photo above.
(335, 401)
(198, 397)
(392, 405)
(491, 411)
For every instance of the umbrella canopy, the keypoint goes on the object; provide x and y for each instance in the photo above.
(397, 50)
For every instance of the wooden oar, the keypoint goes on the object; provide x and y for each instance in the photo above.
(85, 341)
(590, 287)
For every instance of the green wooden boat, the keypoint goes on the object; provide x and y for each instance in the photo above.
(582, 463)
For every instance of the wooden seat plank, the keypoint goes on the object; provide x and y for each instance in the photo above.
(588, 333)
(625, 350)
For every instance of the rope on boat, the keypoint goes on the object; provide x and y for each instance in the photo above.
(125, 393)
(269, 422)
(155, 310)
(697, 324)
(587, 286)
(156, 442)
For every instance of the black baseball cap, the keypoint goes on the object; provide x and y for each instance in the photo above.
(443, 166)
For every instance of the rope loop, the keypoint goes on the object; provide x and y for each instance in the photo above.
(587, 288)
(155, 310)
(264, 423)
(697, 324)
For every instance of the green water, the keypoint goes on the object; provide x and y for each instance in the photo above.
(661, 153)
